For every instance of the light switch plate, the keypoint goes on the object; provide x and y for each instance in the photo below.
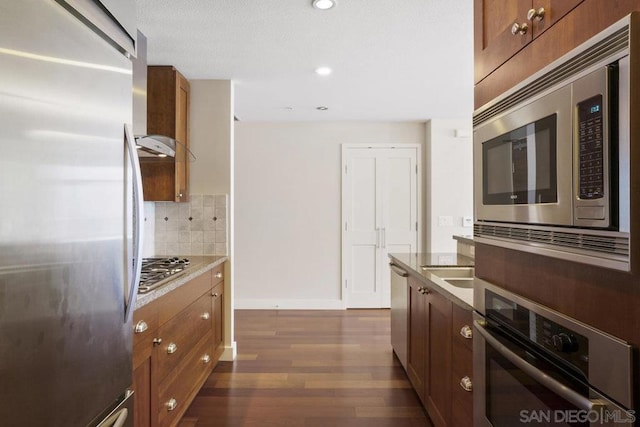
(467, 221)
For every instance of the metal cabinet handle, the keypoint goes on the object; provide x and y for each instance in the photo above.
(219, 275)
(215, 295)
(141, 326)
(157, 341)
(172, 348)
(466, 332)
(400, 272)
(424, 291)
(171, 404)
(536, 14)
(466, 384)
(205, 359)
(519, 28)
(205, 316)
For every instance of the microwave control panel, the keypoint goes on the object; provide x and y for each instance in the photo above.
(591, 148)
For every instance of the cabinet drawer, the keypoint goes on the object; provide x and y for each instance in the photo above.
(182, 333)
(178, 389)
(461, 359)
(145, 324)
(461, 399)
(174, 302)
(461, 403)
(218, 274)
(462, 326)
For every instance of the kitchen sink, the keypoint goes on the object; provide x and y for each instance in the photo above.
(461, 283)
(451, 272)
(460, 277)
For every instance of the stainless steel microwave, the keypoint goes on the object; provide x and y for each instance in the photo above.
(552, 155)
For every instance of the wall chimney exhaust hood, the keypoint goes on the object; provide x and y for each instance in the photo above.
(156, 145)
(148, 145)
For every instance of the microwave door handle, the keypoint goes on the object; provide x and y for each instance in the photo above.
(550, 383)
(137, 223)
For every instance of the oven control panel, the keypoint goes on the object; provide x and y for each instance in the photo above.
(567, 344)
(591, 148)
(556, 339)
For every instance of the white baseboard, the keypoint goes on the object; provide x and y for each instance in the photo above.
(288, 304)
(230, 352)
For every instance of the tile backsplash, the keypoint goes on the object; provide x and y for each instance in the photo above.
(198, 227)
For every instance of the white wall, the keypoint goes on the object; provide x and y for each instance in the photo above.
(212, 138)
(287, 208)
(449, 182)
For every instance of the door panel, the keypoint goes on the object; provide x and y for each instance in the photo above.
(399, 209)
(364, 212)
(400, 194)
(363, 283)
(380, 210)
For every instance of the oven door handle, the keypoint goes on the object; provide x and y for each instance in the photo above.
(552, 384)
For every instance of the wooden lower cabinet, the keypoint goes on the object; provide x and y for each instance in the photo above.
(438, 360)
(461, 368)
(217, 315)
(142, 396)
(439, 357)
(417, 336)
(177, 342)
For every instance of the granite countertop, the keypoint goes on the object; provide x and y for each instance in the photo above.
(415, 261)
(198, 266)
(433, 259)
(468, 239)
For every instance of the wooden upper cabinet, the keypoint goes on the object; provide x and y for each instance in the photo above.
(496, 21)
(494, 42)
(167, 179)
(566, 24)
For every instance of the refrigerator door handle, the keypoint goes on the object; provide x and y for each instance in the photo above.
(116, 420)
(137, 223)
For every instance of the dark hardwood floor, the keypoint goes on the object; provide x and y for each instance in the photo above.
(309, 369)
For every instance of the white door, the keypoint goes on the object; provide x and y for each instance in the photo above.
(380, 215)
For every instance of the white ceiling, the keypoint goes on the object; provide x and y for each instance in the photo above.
(392, 60)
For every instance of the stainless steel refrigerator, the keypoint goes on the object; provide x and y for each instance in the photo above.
(69, 240)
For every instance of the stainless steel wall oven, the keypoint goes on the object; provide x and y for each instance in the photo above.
(535, 366)
(551, 156)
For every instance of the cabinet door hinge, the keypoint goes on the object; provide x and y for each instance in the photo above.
(416, 169)
(345, 226)
(346, 284)
(345, 169)
(416, 225)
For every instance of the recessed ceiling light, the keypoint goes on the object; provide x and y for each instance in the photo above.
(322, 108)
(323, 71)
(323, 4)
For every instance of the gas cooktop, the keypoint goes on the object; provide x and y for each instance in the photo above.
(156, 270)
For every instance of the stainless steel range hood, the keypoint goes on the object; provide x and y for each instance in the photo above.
(148, 145)
(156, 145)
